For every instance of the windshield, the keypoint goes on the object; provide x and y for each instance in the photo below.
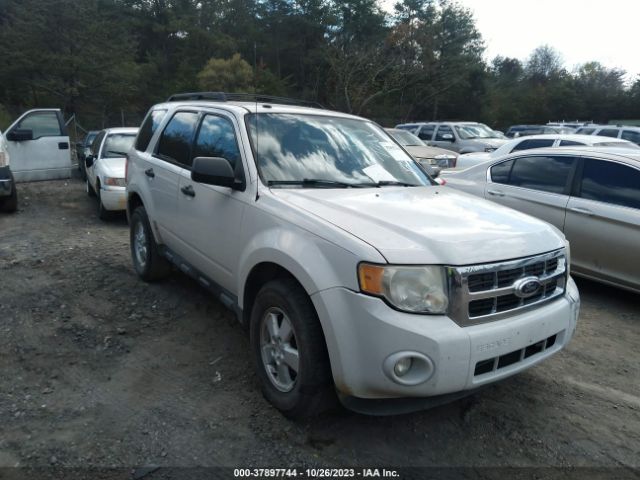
(406, 139)
(328, 152)
(474, 130)
(117, 145)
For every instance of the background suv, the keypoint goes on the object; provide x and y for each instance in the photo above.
(462, 137)
(354, 271)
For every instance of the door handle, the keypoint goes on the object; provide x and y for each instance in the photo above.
(149, 173)
(496, 193)
(583, 211)
(188, 191)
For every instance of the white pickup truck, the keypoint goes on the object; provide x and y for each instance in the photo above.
(38, 145)
(355, 272)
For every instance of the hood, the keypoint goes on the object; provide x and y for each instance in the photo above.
(113, 167)
(428, 225)
(420, 151)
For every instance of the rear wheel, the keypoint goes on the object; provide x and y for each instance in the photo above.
(289, 350)
(147, 260)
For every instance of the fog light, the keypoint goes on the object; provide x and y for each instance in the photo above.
(402, 366)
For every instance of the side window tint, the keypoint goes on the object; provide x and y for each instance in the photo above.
(500, 172)
(217, 138)
(175, 141)
(569, 143)
(610, 182)
(533, 143)
(631, 136)
(148, 128)
(609, 132)
(426, 133)
(442, 131)
(43, 124)
(547, 174)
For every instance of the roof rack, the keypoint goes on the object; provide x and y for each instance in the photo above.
(241, 97)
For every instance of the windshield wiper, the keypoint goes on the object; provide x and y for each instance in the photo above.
(313, 182)
(123, 154)
(393, 183)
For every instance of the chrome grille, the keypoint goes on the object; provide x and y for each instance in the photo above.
(484, 293)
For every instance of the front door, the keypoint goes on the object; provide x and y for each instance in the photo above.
(38, 146)
(536, 185)
(211, 216)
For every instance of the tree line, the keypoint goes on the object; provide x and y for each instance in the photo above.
(107, 61)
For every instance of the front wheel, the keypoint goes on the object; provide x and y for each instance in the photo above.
(289, 350)
(147, 260)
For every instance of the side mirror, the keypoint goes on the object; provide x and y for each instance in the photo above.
(20, 135)
(215, 171)
(448, 137)
(89, 160)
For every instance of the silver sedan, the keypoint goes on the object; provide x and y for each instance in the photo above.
(592, 195)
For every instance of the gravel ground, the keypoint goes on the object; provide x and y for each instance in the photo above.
(98, 369)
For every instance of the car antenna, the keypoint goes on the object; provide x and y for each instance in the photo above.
(255, 93)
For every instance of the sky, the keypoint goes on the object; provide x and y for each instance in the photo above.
(580, 30)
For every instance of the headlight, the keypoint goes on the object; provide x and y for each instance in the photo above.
(428, 161)
(3, 159)
(411, 289)
(115, 182)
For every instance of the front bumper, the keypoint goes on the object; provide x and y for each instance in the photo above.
(362, 333)
(6, 182)
(114, 198)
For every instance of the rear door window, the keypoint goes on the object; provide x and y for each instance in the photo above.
(585, 131)
(175, 142)
(533, 143)
(569, 143)
(631, 135)
(500, 172)
(544, 173)
(610, 182)
(609, 132)
(426, 132)
(148, 128)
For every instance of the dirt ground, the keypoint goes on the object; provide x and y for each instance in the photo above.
(98, 369)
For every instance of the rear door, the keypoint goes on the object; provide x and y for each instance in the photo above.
(210, 216)
(171, 155)
(45, 154)
(538, 185)
(603, 221)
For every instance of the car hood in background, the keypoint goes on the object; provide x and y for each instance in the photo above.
(420, 151)
(112, 167)
(428, 225)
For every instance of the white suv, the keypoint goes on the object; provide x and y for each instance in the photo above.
(354, 271)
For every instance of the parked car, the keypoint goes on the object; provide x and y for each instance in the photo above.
(592, 195)
(631, 134)
(8, 192)
(543, 141)
(105, 167)
(427, 156)
(83, 148)
(462, 137)
(38, 144)
(352, 269)
(527, 130)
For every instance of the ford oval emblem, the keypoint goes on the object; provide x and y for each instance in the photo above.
(527, 287)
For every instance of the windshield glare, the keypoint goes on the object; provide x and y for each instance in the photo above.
(117, 145)
(407, 139)
(471, 131)
(299, 147)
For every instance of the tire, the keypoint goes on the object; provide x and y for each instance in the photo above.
(103, 213)
(308, 390)
(149, 264)
(90, 191)
(10, 204)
